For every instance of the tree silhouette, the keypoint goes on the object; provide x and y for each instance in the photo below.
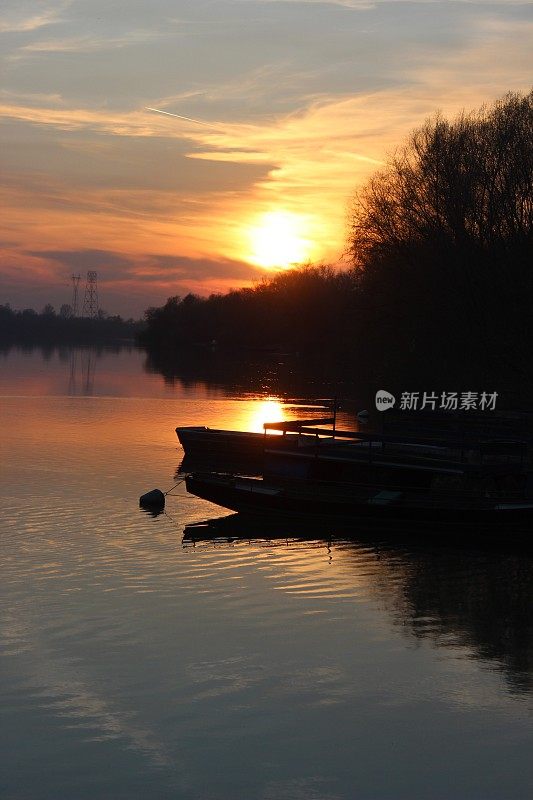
(442, 237)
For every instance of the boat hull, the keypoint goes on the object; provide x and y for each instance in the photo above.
(254, 496)
(207, 440)
(235, 451)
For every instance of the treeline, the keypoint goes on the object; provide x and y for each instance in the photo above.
(47, 327)
(439, 290)
(298, 309)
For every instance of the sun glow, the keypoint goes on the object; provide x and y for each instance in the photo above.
(278, 240)
(268, 410)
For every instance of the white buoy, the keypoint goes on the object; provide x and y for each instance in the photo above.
(153, 499)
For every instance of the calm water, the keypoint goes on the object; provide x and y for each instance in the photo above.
(134, 665)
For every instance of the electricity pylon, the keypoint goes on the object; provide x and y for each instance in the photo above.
(90, 301)
(75, 285)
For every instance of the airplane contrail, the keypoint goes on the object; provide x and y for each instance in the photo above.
(179, 116)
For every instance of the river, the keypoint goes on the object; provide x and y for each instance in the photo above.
(134, 664)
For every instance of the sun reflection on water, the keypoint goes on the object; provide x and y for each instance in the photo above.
(268, 410)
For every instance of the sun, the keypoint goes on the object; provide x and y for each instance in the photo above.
(278, 240)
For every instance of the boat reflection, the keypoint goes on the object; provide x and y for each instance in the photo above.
(474, 596)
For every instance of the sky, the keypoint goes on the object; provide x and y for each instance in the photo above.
(291, 104)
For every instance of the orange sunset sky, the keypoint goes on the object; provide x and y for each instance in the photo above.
(295, 103)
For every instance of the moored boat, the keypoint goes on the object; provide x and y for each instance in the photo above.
(379, 479)
(198, 440)
(314, 501)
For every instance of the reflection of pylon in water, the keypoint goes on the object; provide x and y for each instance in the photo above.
(90, 300)
(87, 369)
(82, 367)
(73, 370)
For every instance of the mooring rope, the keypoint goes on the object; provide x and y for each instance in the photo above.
(173, 487)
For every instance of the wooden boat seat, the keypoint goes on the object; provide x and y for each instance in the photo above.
(250, 487)
(384, 498)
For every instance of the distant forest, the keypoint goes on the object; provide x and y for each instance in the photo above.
(48, 327)
(439, 288)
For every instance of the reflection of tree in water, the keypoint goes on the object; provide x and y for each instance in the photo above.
(455, 597)
(251, 370)
(473, 598)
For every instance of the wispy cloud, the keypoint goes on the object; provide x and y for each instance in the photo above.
(85, 44)
(135, 123)
(21, 17)
(39, 98)
(149, 266)
(366, 4)
(347, 3)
